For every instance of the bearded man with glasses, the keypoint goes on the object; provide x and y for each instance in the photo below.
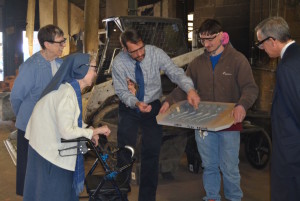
(34, 75)
(221, 74)
(142, 64)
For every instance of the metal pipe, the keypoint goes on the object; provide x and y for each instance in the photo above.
(132, 7)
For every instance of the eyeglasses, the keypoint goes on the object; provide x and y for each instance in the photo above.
(59, 42)
(135, 51)
(260, 43)
(202, 40)
(92, 66)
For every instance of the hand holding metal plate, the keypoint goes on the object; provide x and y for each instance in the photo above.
(211, 116)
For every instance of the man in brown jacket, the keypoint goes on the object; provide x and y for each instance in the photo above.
(221, 74)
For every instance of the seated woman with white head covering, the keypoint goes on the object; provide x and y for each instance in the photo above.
(58, 114)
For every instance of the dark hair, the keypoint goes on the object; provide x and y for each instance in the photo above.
(48, 33)
(130, 35)
(209, 27)
(275, 27)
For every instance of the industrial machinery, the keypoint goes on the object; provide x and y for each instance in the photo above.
(102, 103)
(165, 33)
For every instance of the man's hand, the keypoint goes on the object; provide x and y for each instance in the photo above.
(238, 113)
(164, 107)
(193, 98)
(143, 107)
(131, 86)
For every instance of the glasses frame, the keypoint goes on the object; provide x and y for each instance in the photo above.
(135, 51)
(259, 43)
(202, 40)
(92, 66)
(58, 42)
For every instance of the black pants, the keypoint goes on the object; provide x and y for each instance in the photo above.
(129, 122)
(285, 188)
(22, 152)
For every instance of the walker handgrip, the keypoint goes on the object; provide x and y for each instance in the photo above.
(80, 139)
(130, 149)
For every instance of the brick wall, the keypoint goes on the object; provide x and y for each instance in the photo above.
(232, 14)
(259, 10)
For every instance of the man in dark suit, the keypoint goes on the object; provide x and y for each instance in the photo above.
(274, 37)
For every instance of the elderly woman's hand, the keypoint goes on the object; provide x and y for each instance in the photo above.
(95, 140)
(103, 130)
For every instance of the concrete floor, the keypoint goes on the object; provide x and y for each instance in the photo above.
(185, 187)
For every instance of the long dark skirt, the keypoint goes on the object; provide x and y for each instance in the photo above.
(22, 147)
(45, 181)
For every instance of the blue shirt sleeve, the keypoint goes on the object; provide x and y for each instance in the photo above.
(22, 86)
(174, 73)
(120, 83)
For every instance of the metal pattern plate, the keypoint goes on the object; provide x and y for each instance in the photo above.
(211, 116)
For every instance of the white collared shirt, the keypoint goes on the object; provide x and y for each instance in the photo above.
(284, 48)
(54, 67)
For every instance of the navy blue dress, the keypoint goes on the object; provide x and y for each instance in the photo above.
(43, 178)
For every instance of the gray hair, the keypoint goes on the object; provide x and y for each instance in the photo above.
(48, 33)
(275, 27)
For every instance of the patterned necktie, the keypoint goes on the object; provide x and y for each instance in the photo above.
(140, 81)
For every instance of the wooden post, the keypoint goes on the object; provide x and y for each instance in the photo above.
(30, 24)
(46, 12)
(62, 8)
(116, 8)
(91, 25)
(76, 19)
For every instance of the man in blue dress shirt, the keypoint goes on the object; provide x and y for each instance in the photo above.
(143, 64)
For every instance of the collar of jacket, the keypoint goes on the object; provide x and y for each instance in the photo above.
(227, 49)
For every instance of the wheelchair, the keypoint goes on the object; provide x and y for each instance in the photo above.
(113, 185)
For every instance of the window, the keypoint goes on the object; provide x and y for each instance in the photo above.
(190, 24)
(1, 57)
(36, 45)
